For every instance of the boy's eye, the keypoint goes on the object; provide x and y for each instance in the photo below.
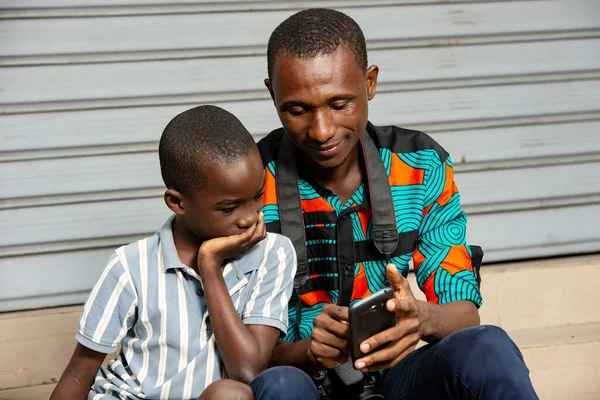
(229, 210)
(259, 196)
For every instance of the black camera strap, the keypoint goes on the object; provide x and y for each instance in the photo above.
(385, 230)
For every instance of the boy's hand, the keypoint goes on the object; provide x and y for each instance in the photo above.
(213, 252)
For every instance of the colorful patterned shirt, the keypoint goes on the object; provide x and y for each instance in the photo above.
(431, 227)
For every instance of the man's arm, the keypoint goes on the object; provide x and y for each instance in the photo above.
(444, 271)
(443, 265)
(439, 321)
(77, 379)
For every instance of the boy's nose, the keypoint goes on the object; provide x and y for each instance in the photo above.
(249, 219)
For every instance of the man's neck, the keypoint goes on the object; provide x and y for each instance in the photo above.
(342, 180)
(186, 244)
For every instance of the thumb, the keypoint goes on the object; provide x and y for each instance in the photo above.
(398, 283)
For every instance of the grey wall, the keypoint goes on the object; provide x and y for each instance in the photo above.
(510, 88)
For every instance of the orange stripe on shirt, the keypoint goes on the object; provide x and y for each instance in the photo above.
(402, 174)
(361, 286)
(364, 217)
(429, 289)
(318, 204)
(418, 259)
(312, 298)
(449, 187)
(457, 260)
(270, 193)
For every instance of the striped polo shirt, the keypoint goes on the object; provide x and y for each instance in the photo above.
(154, 307)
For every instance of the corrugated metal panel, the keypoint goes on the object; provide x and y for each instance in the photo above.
(87, 87)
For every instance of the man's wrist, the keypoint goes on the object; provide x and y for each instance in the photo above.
(426, 327)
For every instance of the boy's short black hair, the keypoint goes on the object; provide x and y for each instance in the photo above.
(316, 31)
(198, 136)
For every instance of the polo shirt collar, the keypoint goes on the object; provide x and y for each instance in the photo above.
(170, 257)
(233, 274)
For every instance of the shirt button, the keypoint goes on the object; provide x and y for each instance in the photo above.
(200, 292)
(348, 269)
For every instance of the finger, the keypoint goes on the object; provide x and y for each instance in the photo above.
(397, 282)
(336, 312)
(402, 308)
(322, 351)
(331, 340)
(327, 363)
(403, 329)
(337, 328)
(261, 230)
(391, 363)
(388, 354)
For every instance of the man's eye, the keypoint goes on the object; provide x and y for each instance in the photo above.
(296, 111)
(229, 210)
(339, 106)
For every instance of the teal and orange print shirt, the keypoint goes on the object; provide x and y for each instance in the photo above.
(431, 226)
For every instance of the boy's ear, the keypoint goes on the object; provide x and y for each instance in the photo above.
(175, 201)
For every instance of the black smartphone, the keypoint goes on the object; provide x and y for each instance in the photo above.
(368, 317)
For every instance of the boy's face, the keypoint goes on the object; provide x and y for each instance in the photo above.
(231, 200)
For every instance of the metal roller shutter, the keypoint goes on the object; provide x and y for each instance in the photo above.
(510, 88)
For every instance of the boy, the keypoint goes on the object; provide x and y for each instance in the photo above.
(205, 297)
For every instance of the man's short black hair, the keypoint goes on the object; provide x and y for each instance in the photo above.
(205, 134)
(314, 32)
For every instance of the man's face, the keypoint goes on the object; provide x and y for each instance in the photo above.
(231, 200)
(323, 103)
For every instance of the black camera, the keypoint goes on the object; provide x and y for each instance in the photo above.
(344, 382)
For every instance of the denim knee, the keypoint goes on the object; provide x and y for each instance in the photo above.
(283, 383)
(485, 355)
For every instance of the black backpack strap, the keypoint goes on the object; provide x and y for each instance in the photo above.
(290, 209)
(383, 213)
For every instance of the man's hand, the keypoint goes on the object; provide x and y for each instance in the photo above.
(213, 252)
(392, 345)
(329, 342)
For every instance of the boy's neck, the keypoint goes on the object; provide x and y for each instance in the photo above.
(186, 244)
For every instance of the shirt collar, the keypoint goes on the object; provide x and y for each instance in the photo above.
(169, 252)
(234, 275)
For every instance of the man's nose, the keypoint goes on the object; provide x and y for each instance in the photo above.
(323, 127)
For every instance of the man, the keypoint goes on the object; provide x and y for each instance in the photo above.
(329, 177)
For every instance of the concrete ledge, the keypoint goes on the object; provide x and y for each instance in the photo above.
(550, 308)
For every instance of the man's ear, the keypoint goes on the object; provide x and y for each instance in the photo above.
(270, 88)
(175, 201)
(372, 74)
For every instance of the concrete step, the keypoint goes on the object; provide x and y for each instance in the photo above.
(564, 361)
(550, 308)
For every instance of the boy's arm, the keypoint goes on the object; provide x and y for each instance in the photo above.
(245, 349)
(79, 375)
(246, 344)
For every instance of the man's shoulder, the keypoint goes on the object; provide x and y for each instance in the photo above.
(403, 141)
(269, 144)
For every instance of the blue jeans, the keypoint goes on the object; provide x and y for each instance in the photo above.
(287, 383)
(476, 363)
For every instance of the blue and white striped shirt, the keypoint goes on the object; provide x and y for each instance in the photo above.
(154, 307)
